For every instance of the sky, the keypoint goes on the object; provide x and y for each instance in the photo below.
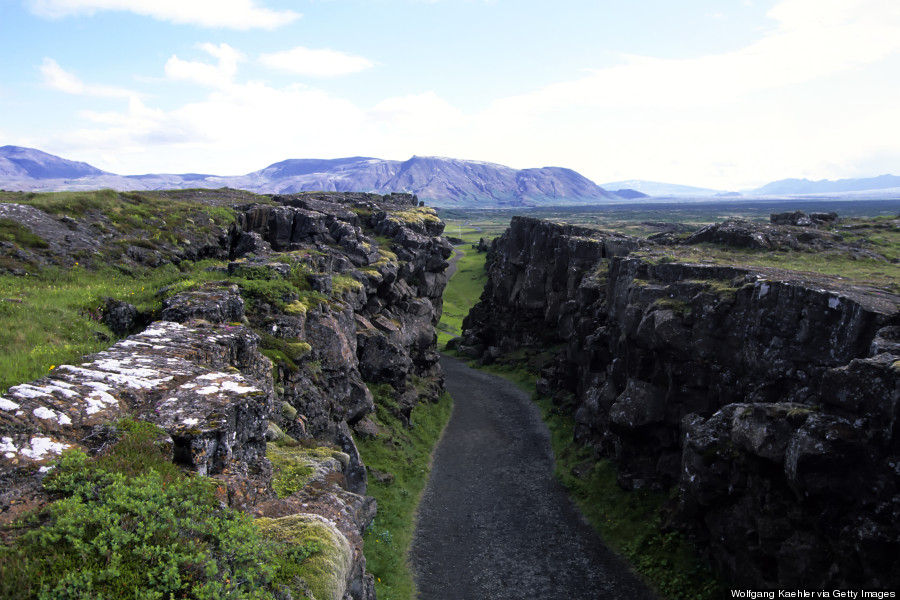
(725, 94)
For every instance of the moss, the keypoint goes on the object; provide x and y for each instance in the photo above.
(345, 283)
(12, 231)
(293, 466)
(296, 308)
(679, 307)
(421, 214)
(325, 571)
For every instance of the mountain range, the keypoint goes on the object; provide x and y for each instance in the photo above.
(439, 181)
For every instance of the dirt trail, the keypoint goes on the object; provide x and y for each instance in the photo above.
(493, 522)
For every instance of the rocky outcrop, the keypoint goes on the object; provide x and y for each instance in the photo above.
(766, 399)
(207, 386)
(325, 294)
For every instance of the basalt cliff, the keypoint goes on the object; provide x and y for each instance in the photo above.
(320, 296)
(764, 399)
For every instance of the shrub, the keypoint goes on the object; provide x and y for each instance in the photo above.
(130, 524)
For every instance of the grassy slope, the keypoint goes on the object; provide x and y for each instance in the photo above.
(405, 453)
(50, 318)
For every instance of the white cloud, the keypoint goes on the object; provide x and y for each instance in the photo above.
(425, 113)
(814, 38)
(315, 63)
(57, 78)
(811, 97)
(232, 14)
(218, 75)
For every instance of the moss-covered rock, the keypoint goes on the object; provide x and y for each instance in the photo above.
(326, 571)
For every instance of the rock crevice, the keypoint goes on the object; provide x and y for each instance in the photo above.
(766, 399)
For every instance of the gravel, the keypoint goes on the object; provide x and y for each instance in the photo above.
(493, 522)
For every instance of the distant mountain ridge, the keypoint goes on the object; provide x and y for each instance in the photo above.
(438, 180)
(441, 181)
(18, 162)
(826, 186)
(660, 189)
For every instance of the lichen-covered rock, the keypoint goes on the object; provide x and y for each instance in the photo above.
(206, 386)
(336, 291)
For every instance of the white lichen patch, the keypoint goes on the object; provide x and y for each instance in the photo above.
(225, 383)
(133, 344)
(97, 385)
(161, 328)
(119, 379)
(190, 422)
(210, 389)
(6, 404)
(8, 448)
(41, 447)
(122, 367)
(27, 390)
(235, 386)
(42, 412)
(99, 400)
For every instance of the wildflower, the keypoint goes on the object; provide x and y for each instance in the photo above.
(51, 367)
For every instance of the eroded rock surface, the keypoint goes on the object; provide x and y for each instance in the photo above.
(766, 398)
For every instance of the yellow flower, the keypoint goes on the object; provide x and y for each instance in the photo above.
(51, 367)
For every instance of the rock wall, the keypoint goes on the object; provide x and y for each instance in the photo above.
(766, 399)
(325, 294)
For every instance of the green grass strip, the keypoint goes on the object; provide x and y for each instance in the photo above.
(462, 293)
(405, 453)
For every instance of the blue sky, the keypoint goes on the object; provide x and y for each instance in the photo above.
(727, 94)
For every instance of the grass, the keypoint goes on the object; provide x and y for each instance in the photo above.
(50, 318)
(859, 270)
(462, 293)
(406, 454)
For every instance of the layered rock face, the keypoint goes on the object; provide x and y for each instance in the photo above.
(324, 295)
(766, 398)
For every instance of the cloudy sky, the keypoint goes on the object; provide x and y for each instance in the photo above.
(728, 94)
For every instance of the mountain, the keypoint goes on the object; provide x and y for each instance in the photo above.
(17, 162)
(825, 186)
(659, 189)
(440, 181)
(630, 194)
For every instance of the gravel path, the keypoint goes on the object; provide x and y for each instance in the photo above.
(493, 522)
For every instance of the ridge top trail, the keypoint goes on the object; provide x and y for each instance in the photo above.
(494, 523)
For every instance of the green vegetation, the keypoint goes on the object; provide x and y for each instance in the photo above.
(50, 318)
(405, 453)
(129, 523)
(461, 293)
(314, 558)
(12, 231)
